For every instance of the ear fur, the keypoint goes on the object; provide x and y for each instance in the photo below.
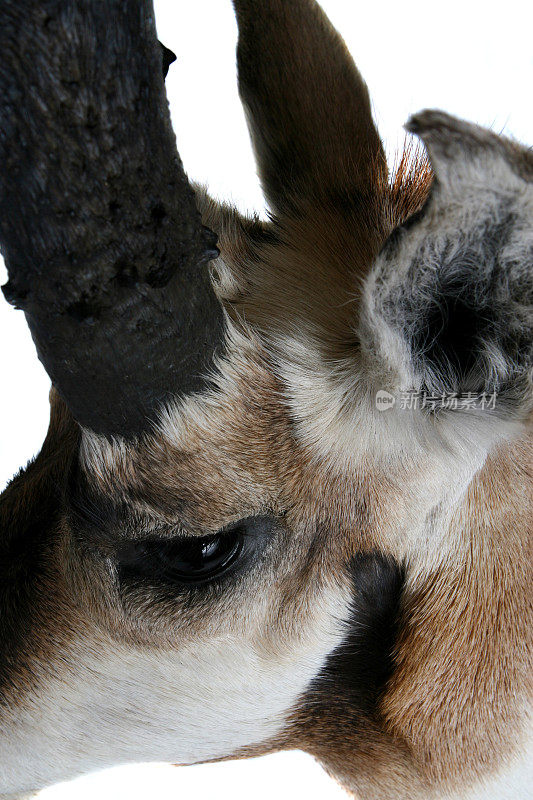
(448, 306)
(307, 106)
(466, 155)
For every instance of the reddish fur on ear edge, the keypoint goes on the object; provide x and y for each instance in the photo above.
(410, 182)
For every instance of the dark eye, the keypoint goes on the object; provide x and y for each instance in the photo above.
(194, 560)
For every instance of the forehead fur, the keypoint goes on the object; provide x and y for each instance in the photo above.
(305, 270)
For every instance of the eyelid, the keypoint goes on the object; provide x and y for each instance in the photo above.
(159, 562)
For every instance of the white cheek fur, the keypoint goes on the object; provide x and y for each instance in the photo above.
(202, 701)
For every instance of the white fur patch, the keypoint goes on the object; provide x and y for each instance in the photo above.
(114, 704)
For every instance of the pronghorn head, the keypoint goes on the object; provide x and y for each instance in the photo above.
(285, 497)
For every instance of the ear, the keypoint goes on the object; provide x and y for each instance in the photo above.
(448, 306)
(308, 108)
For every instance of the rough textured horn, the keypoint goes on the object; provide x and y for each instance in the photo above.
(103, 243)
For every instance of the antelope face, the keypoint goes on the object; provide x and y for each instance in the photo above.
(284, 499)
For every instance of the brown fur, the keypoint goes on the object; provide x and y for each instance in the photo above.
(305, 271)
(463, 660)
(464, 656)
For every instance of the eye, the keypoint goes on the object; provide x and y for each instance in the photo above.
(194, 560)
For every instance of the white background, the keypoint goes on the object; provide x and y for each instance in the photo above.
(472, 58)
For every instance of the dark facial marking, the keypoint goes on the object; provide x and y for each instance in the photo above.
(357, 671)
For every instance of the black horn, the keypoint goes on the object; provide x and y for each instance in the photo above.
(104, 246)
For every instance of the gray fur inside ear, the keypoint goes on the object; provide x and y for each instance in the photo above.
(449, 302)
